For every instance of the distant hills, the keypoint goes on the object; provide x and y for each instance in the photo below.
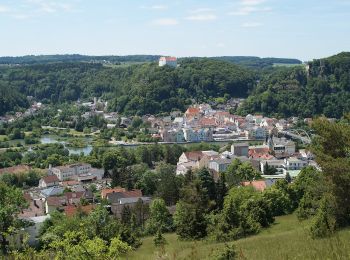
(320, 87)
(247, 61)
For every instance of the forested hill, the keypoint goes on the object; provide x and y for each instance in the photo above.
(136, 89)
(256, 62)
(323, 87)
(44, 59)
(247, 61)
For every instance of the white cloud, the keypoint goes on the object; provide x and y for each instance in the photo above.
(202, 17)
(245, 10)
(50, 6)
(252, 2)
(247, 7)
(201, 14)
(21, 16)
(155, 7)
(201, 10)
(159, 7)
(220, 45)
(4, 9)
(251, 24)
(165, 22)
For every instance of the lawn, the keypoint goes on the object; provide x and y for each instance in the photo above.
(286, 239)
(3, 137)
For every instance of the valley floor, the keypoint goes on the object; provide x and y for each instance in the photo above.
(286, 239)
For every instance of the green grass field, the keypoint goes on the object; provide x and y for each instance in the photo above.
(286, 239)
(3, 137)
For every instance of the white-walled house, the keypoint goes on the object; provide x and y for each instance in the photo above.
(48, 181)
(168, 61)
(73, 171)
(294, 163)
(277, 164)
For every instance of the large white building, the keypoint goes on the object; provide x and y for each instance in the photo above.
(170, 61)
(76, 171)
(281, 147)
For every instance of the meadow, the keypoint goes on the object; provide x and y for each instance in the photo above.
(286, 239)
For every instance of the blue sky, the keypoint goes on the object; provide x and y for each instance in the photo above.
(303, 29)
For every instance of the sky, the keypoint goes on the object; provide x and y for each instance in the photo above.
(303, 29)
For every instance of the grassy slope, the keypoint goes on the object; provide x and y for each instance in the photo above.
(286, 239)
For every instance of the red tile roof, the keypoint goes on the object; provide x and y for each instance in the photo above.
(264, 156)
(71, 210)
(169, 58)
(258, 185)
(55, 201)
(74, 195)
(194, 156)
(259, 150)
(50, 179)
(192, 111)
(70, 183)
(127, 194)
(104, 192)
(205, 121)
(222, 113)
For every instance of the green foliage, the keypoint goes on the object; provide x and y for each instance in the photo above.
(332, 148)
(228, 253)
(207, 182)
(292, 91)
(11, 203)
(256, 62)
(310, 187)
(189, 217)
(280, 202)
(238, 172)
(11, 97)
(138, 89)
(168, 185)
(20, 180)
(159, 239)
(324, 222)
(245, 212)
(160, 219)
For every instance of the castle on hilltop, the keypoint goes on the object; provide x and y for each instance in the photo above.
(170, 61)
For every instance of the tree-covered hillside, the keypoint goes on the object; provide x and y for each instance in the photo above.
(44, 59)
(247, 61)
(323, 87)
(256, 62)
(137, 89)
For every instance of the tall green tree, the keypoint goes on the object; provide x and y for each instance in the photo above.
(207, 182)
(168, 186)
(332, 146)
(189, 217)
(159, 217)
(11, 203)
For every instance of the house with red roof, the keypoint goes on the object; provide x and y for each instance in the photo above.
(168, 61)
(49, 181)
(208, 122)
(36, 207)
(259, 185)
(192, 112)
(105, 192)
(71, 210)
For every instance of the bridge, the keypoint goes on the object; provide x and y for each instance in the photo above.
(299, 134)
